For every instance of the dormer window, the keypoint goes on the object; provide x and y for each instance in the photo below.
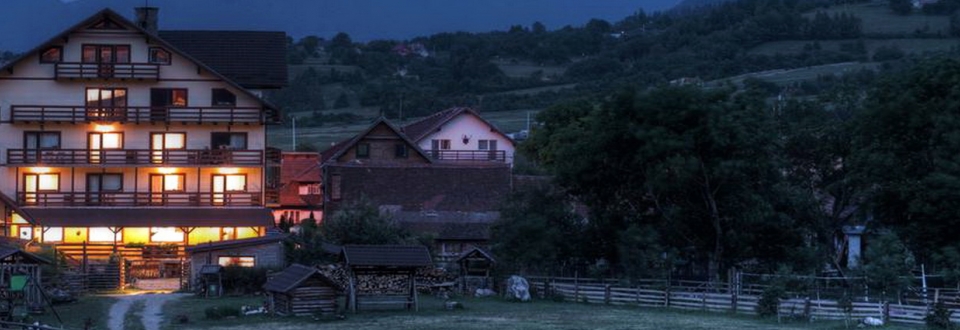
(159, 56)
(53, 54)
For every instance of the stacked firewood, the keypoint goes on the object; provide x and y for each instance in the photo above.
(427, 277)
(432, 276)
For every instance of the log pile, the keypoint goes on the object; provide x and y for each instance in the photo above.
(427, 277)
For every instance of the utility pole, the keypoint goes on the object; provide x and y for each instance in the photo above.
(294, 119)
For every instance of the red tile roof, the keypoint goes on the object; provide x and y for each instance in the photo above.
(296, 168)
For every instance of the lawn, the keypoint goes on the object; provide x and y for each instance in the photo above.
(493, 313)
(75, 314)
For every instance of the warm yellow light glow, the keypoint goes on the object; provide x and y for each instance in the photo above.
(166, 170)
(103, 128)
(39, 170)
(228, 170)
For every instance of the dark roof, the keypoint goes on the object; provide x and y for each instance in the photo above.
(331, 248)
(429, 124)
(210, 269)
(151, 217)
(291, 277)
(107, 13)
(449, 230)
(476, 251)
(237, 243)
(337, 150)
(386, 256)
(12, 254)
(253, 59)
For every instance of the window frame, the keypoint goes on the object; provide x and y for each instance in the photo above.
(366, 151)
(401, 151)
(98, 52)
(100, 177)
(59, 59)
(37, 175)
(246, 139)
(336, 183)
(253, 260)
(225, 176)
(39, 135)
(154, 50)
(213, 98)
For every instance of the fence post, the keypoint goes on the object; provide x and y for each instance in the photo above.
(606, 294)
(666, 295)
(576, 286)
(734, 298)
(885, 310)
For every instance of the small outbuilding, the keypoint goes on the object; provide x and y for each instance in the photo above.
(475, 267)
(384, 274)
(300, 290)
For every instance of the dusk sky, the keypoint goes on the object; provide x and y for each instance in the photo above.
(26, 23)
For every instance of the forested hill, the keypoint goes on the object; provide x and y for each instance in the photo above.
(779, 44)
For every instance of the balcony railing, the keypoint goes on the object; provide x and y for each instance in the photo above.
(135, 157)
(184, 115)
(469, 155)
(121, 71)
(79, 199)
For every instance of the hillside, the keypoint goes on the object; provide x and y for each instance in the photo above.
(339, 85)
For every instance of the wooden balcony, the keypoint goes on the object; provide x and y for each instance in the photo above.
(140, 115)
(225, 157)
(175, 199)
(107, 71)
(469, 155)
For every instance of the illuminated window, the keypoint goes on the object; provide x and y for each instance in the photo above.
(226, 183)
(26, 232)
(103, 234)
(237, 261)
(228, 233)
(160, 184)
(53, 234)
(40, 183)
(97, 142)
(159, 56)
(166, 234)
(310, 189)
(105, 54)
(161, 142)
(106, 104)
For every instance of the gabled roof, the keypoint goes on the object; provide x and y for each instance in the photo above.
(253, 59)
(298, 167)
(291, 277)
(339, 149)
(476, 251)
(12, 254)
(429, 124)
(107, 13)
(386, 256)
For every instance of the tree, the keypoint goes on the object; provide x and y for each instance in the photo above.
(901, 7)
(537, 232)
(907, 148)
(887, 264)
(342, 101)
(361, 222)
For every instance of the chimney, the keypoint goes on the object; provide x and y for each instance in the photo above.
(147, 18)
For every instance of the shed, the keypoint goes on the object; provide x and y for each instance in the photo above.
(265, 251)
(384, 274)
(300, 290)
(475, 266)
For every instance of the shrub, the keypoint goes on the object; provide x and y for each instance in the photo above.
(243, 280)
(770, 300)
(939, 317)
(212, 313)
(219, 312)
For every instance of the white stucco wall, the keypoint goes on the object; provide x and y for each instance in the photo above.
(32, 83)
(466, 124)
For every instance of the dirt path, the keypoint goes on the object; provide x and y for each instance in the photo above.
(152, 313)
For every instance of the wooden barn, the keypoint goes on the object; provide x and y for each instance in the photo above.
(300, 290)
(384, 275)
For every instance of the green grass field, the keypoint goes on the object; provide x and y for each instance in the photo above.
(493, 313)
(878, 19)
(74, 314)
(910, 46)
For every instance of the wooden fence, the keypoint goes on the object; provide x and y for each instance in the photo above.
(702, 296)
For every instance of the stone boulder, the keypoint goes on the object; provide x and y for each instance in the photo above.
(518, 288)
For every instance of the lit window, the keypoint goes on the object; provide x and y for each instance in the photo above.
(237, 261)
(26, 232)
(165, 141)
(103, 234)
(166, 235)
(159, 56)
(310, 189)
(53, 234)
(173, 182)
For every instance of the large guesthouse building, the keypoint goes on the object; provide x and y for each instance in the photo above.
(119, 138)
